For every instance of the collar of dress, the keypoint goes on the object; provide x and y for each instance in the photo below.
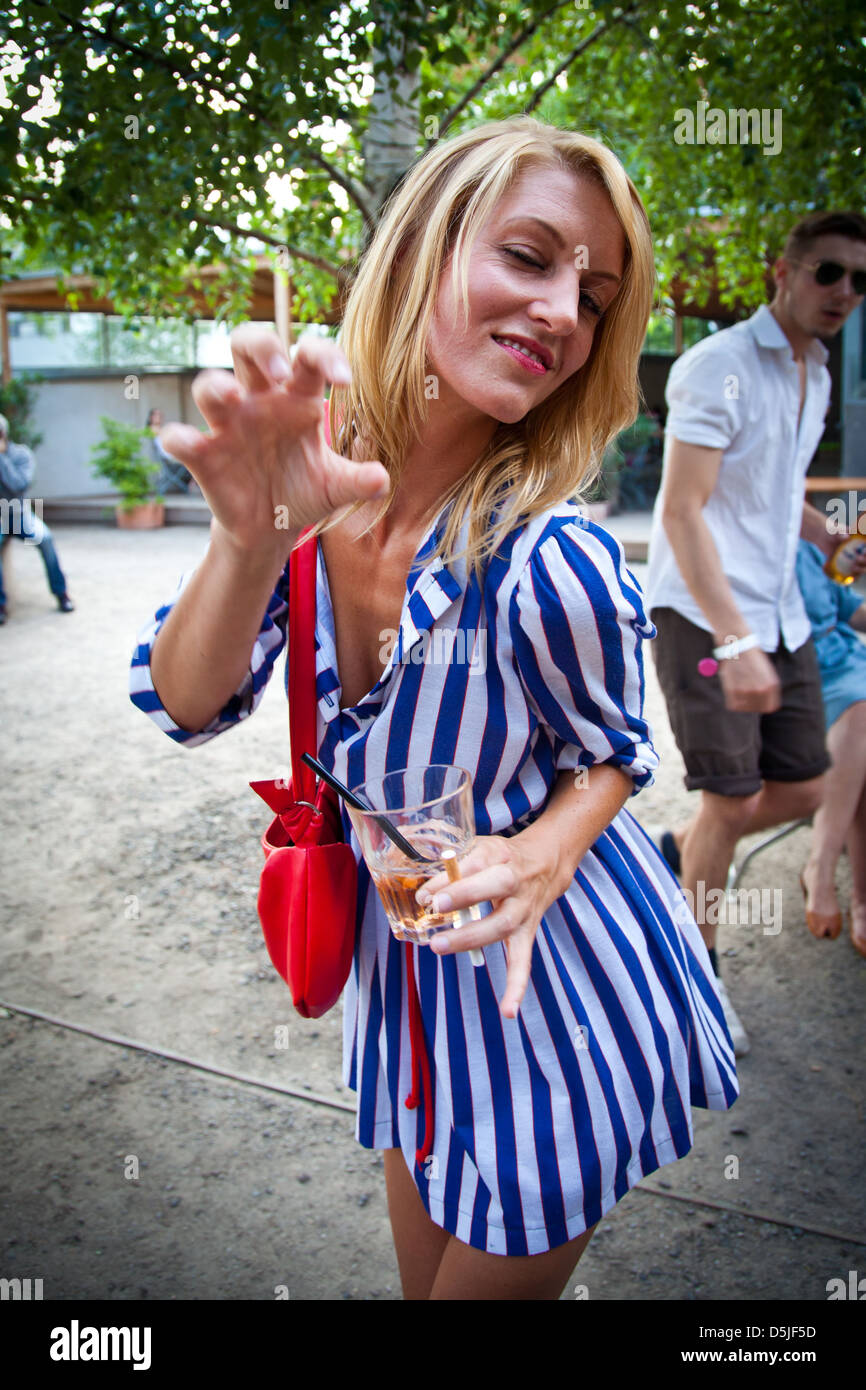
(431, 588)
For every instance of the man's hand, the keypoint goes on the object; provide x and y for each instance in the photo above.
(857, 562)
(750, 683)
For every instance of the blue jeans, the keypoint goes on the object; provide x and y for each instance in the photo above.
(18, 519)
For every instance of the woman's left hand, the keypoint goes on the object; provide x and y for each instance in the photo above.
(520, 882)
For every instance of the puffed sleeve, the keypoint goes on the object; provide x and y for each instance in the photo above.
(577, 622)
(706, 395)
(268, 645)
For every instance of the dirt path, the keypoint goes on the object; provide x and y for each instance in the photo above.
(128, 902)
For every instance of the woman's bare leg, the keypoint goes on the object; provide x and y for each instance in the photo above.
(843, 787)
(857, 858)
(467, 1273)
(418, 1241)
(773, 805)
(436, 1265)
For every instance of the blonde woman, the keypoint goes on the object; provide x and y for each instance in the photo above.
(489, 353)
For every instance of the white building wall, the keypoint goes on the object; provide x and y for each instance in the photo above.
(67, 410)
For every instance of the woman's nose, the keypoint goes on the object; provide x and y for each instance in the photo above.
(559, 305)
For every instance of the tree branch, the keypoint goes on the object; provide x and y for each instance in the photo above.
(602, 28)
(356, 191)
(86, 31)
(493, 68)
(339, 273)
(206, 84)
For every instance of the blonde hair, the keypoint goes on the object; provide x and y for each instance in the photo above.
(555, 451)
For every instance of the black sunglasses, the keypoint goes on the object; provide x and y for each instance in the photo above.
(828, 272)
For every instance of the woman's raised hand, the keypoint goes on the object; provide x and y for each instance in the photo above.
(264, 468)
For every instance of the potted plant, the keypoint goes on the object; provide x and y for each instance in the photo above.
(17, 400)
(119, 458)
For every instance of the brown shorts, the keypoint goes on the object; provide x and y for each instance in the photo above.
(726, 751)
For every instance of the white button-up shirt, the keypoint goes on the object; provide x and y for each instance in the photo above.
(739, 390)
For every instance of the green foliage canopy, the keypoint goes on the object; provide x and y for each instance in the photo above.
(142, 141)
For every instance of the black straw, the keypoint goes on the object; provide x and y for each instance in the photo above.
(360, 805)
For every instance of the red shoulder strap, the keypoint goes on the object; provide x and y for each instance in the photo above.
(302, 656)
(302, 665)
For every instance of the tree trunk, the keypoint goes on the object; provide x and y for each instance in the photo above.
(390, 141)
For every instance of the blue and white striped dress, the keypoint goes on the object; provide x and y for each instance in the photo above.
(541, 1123)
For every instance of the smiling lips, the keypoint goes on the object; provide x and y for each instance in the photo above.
(531, 355)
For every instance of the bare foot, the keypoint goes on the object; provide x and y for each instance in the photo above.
(823, 917)
(858, 924)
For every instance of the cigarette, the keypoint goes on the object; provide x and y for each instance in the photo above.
(466, 914)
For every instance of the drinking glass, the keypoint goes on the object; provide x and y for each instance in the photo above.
(432, 808)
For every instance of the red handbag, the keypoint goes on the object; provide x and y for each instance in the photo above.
(308, 888)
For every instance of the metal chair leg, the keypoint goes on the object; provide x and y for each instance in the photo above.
(736, 871)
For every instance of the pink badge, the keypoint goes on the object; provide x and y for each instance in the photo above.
(708, 666)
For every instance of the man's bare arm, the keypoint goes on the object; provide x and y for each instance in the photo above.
(691, 474)
(814, 528)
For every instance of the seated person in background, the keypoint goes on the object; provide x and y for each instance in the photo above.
(173, 477)
(837, 615)
(17, 518)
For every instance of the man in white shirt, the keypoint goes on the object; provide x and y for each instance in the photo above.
(746, 412)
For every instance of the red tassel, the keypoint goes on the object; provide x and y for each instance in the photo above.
(420, 1061)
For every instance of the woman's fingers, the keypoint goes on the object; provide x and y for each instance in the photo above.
(353, 482)
(485, 886)
(217, 395)
(518, 943)
(185, 443)
(485, 932)
(316, 361)
(487, 852)
(518, 949)
(259, 357)
(261, 362)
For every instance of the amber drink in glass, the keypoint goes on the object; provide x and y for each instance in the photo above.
(432, 808)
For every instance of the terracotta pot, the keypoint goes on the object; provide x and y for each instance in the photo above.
(144, 518)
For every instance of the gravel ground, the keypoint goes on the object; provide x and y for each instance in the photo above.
(128, 900)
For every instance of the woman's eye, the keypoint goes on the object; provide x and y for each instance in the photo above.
(588, 300)
(522, 256)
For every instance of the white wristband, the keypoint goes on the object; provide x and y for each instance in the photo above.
(740, 644)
